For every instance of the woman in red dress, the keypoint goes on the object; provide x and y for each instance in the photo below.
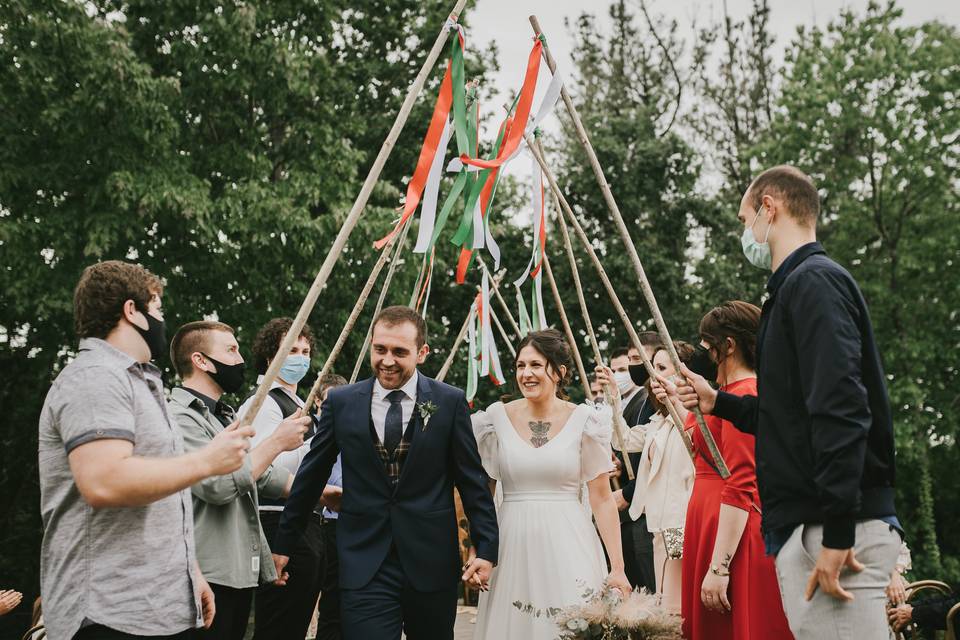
(730, 588)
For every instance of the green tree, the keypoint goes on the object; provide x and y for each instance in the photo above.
(868, 108)
(218, 144)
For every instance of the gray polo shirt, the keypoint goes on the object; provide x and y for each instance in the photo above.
(130, 569)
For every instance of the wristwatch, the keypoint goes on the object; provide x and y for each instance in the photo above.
(719, 571)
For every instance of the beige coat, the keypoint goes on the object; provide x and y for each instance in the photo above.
(665, 474)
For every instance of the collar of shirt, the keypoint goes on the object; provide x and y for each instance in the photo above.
(126, 360)
(276, 384)
(793, 261)
(205, 399)
(627, 398)
(409, 388)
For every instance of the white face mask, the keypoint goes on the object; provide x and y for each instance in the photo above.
(624, 383)
(757, 253)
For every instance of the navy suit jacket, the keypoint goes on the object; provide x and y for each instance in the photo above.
(417, 516)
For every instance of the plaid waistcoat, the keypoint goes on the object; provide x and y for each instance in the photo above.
(393, 464)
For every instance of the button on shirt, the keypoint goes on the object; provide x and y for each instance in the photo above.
(379, 404)
(129, 568)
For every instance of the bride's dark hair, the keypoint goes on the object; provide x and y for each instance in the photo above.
(551, 344)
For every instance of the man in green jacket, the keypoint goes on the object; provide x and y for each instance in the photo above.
(231, 549)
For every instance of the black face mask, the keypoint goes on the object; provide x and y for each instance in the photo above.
(228, 376)
(701, 363)
(155, 335)
(638, 373)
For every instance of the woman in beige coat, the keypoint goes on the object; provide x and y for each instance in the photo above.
(665, 478)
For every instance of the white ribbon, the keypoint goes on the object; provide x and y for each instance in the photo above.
(486, 334)
(431, 192)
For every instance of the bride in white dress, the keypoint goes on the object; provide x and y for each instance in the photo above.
(542, 449)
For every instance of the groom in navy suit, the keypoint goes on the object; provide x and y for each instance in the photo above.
(405, 441)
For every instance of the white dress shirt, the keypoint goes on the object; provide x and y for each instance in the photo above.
(379, 405)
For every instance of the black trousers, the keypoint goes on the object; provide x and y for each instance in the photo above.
(387, 605)
(100, 632)
(232, 614)
(328, 620)
(284, 613)
(638, 553)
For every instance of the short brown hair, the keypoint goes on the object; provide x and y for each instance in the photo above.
(398, 314)
(685, 352)
(795, 188)
(269, 338)
(191, 338)
(330, 381)
(737, 320)
(650, 339)
(555, 349)
(102, 291)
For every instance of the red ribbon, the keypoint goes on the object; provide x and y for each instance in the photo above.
(515, 133)
(431, 142)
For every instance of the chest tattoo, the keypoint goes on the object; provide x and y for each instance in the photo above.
(539, 431)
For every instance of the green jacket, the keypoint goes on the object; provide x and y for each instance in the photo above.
(231, 548)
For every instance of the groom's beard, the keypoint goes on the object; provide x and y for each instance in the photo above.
(393, 377)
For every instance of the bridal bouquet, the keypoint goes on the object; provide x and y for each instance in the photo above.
(606, 615)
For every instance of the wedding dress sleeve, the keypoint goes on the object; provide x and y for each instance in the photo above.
(595, 453)
(487, 442)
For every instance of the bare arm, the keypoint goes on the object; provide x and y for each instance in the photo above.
(107, 473)
(608, 523)
(730, 526)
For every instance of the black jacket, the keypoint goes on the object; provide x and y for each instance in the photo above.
(823, 424)
(638, 411)
(417, 515)
(931, 614)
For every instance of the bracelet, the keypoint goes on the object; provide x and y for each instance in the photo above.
(718, 571)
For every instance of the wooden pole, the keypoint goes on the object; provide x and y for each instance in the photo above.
(352, 218)
(567, 329)
(503, 303)
(628, 244)
(445, 369)
(612, 398)
(562, 205)
(385, 253)
(379, 307)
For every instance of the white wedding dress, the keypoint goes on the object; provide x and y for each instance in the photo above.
(550, 552)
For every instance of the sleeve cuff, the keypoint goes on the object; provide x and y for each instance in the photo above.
(273, 482)
(487, 552)
(727, 406)
(839, 533)
(737, 498)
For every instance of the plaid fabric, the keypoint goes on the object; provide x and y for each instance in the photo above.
(393, 465)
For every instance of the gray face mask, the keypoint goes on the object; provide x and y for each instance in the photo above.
(757, 253)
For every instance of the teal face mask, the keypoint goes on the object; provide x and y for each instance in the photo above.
(757, 253)
(294, 368)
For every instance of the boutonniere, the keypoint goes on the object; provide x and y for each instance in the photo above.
(427, 409)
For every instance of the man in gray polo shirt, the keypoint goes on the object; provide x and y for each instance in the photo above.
(117, 558)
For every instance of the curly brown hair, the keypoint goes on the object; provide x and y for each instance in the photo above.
(102, 291)
(268, 340)
(552, 345)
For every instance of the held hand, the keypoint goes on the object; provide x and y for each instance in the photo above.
(208, 605)
(695, 390)
(713, 592)
(826, 575)
(605, 378)
(900, 616)
(476, 573)
(332, 495)
(617, 579)
(290, 432)
(618, 498)
(897, 589)
(9, 600)
(226, 451)
(280, 562)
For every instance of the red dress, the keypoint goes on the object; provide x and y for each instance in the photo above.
(753, 591)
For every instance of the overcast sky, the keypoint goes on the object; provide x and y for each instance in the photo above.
(505, 22)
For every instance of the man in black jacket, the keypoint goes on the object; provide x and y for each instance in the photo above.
(825, 453)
